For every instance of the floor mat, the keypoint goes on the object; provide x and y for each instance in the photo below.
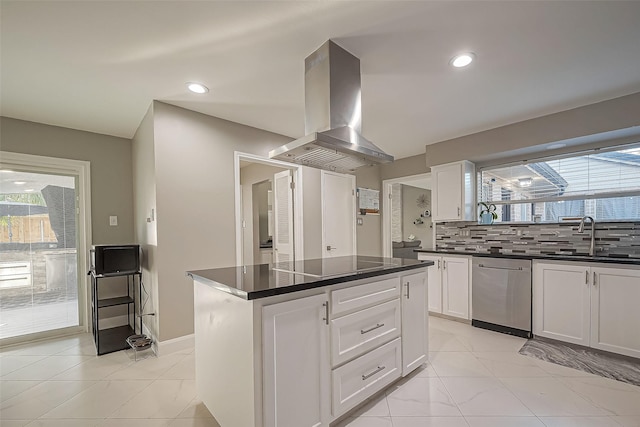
(606, 365)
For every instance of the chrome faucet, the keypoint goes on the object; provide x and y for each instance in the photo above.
(592, 247)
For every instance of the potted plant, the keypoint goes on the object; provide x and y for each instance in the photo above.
(487, 213)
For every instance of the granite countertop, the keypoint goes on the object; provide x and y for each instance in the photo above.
(265, 280)
(551, 257)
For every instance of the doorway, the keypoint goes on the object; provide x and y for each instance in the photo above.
(407, 224)
(43, 243)
(268, 210)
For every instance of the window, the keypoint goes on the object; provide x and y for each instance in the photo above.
(602, 184)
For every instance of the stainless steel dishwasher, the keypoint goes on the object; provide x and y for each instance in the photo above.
(501, 295)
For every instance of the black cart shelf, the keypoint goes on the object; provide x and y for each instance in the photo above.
(114, 339)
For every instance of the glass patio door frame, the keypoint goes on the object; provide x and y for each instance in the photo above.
(81, 171)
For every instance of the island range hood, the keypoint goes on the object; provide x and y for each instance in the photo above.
(333, 118)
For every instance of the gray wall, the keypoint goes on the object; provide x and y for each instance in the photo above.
(520, 140)
(111, 169)
(411, 212)
(195, 202)
(144, 191)
(414, 165)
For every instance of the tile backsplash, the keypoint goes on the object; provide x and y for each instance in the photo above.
(621, 239)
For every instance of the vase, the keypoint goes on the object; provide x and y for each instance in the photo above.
(486, 218)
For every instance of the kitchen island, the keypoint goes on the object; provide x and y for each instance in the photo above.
(302, 344)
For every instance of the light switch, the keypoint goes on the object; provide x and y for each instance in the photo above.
(113, 220)
(359, 221)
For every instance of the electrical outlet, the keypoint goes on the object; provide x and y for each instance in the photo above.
(113, 220)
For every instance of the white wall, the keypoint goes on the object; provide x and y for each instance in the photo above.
(194, 161)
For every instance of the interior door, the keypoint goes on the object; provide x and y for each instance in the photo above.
(338, 214)
(283, 217)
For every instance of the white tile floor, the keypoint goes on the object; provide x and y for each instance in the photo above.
(475, 378)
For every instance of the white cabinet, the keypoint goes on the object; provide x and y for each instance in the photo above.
(588, 305)
(296, 363)
(453, 194)
(414, 321)
(615, 317)
(434, 282)
(449, 284)
(561, 307)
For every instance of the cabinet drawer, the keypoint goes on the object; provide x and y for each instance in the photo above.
(359, 332)
(357, 297)
(365, 376)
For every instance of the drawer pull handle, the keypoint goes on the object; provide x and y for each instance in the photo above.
(326, 312)
(369, 375)
(373, 328)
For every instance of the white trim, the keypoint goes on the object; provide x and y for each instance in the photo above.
(298, 215)
(387, 249)
(185, 342)
(81, 169)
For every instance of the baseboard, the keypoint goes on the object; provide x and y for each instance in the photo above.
(446, 316)
(186, 342)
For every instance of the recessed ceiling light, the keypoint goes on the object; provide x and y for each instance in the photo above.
(197, 87)
(29, 190)
(462, 60)
(19, 182)
(525, 182)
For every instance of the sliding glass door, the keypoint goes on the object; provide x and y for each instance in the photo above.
(39, 274)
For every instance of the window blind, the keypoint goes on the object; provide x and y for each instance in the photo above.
(595, 175)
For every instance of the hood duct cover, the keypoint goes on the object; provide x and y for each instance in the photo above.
(332, 116)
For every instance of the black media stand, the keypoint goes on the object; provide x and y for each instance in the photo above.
(114, 339)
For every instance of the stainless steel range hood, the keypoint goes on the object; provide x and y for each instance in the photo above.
(333, 119)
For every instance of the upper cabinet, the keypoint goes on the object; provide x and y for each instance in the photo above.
(453, 193)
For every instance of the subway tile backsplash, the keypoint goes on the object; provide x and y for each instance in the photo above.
(618, 239)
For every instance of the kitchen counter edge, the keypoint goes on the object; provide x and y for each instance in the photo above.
(573, 258)
(320, 283)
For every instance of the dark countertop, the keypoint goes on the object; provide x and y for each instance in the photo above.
(265, 280)
(551, 257)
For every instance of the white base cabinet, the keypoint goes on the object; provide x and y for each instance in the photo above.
(414, 322)
(615, 317)
(449, 284)
(561, 307)
(296, 363)
(588, 304)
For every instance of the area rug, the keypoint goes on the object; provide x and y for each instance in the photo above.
(621, 368)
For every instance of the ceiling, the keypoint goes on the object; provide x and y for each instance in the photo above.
(97, 65)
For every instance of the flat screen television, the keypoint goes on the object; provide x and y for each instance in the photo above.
(109, 260)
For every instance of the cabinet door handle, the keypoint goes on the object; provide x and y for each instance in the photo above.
(373, 328)
(594, 278)
(408, 285)
(438, 264)
(586, 277)
(444, 264)
(458, 211)
(326, 312)
(369, 375)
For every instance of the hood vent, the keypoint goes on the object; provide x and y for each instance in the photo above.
(333, 119)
